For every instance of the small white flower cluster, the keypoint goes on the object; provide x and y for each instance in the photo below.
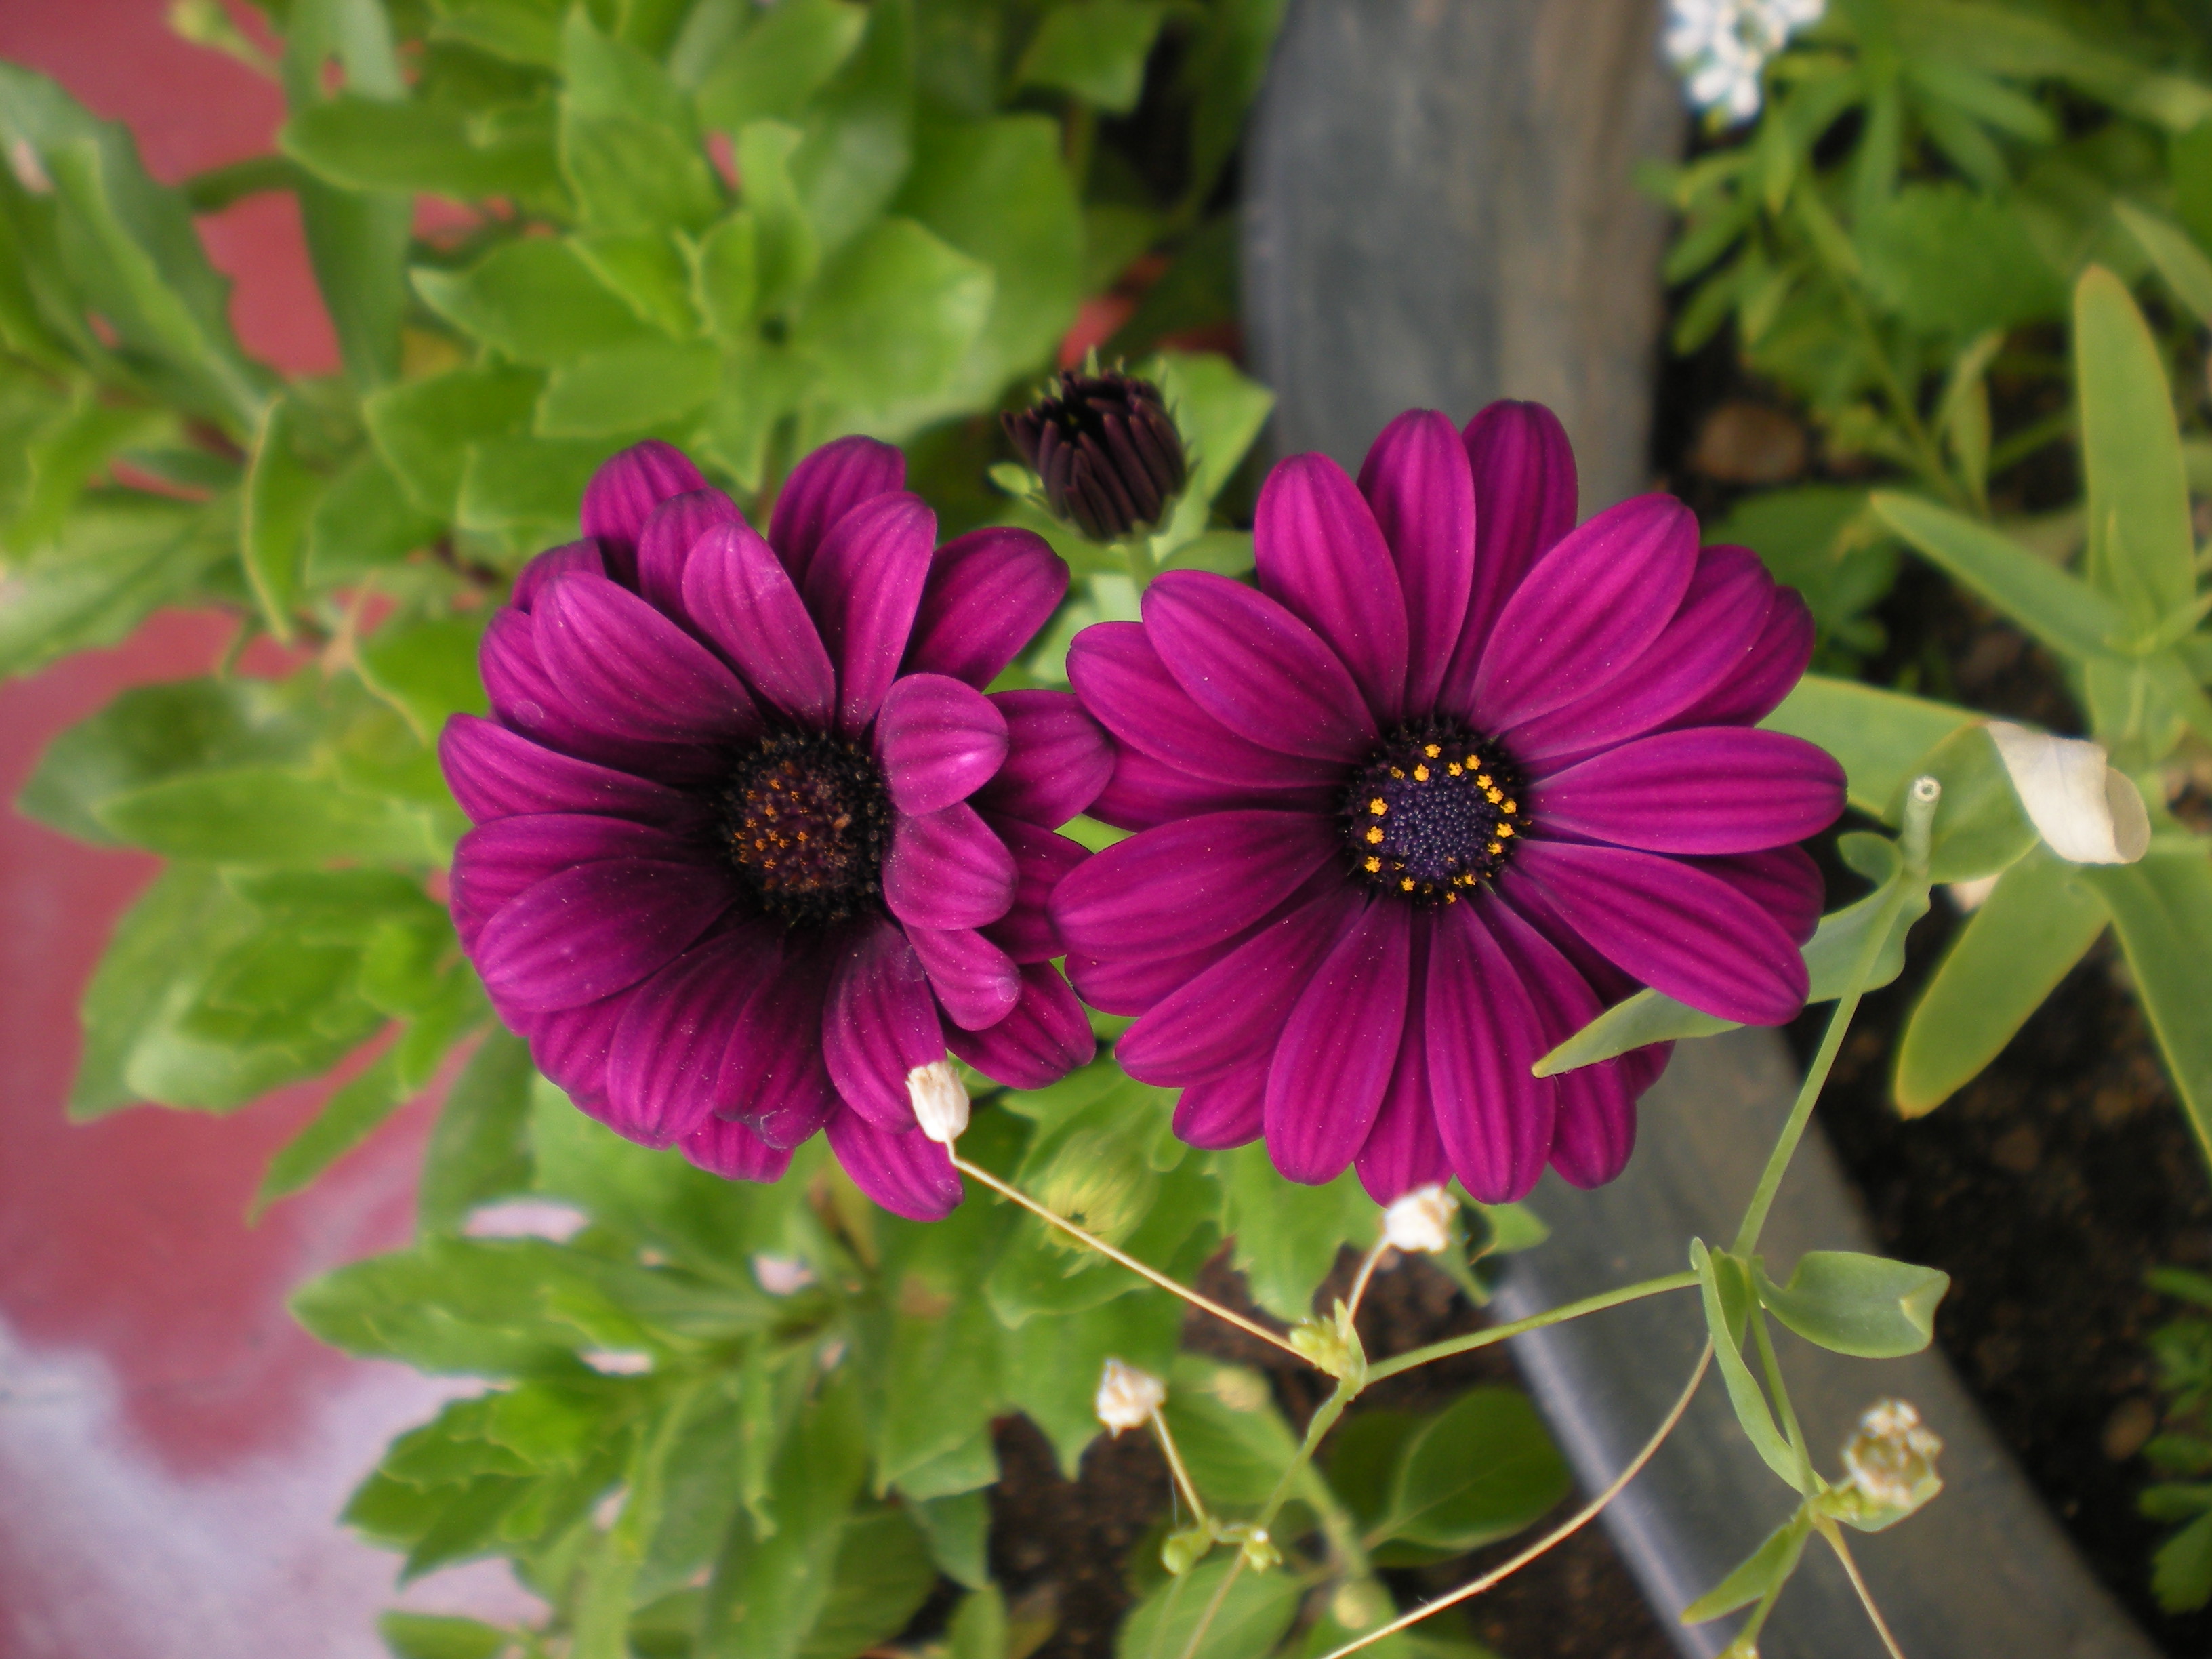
(1719, 46)
(1421, 1222)
(1128, 1397)
(1891, 1459)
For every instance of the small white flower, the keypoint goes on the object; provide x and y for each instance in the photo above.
(526, 1218)
(1128, 1397)
(1720, 47)
(1420, 1221)
(781, 1275)
(2085, 810)
(617, 1362)
(940, 1101)
(1891, 1459)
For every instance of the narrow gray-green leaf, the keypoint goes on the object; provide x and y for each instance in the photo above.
(2062, 610)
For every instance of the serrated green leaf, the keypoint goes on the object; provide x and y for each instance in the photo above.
(639, 388)
(648, 270)
(1953, 261)
(423, 428)
(427, 669)
(266, 814)
(1051, 1366)
(770, 71)
(480, 1147)
(2023, 938)
(889, 321)
(1231, 1438)
(1287, 1235)
(354, 1110)
(528, 491)
(882, 1575)
(364, 143)
(859, 130)
(281, 494)
(535, 299)
(363, 522)
(124, 997)
(1864, 1305)
(121, 557)
(1096, 50)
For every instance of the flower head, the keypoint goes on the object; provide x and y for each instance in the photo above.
(1454, 777)
(754, 849)
(1111, 460)
(1721, 47)
(1890, 1466)
(1128, 1397)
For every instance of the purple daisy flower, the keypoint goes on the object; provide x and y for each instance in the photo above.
(753, 847)
(1454, 777)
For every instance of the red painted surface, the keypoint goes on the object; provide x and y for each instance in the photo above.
(172, 1448)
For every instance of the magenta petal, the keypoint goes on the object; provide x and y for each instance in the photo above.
(589, 931)
(1058, 759)
(1679, 929)
(1709, 789)
(1225, 1113)
(1706, 645)
(497, 774)
(499, 861)
(1524, 503)
(1134, 985)
(531, 580)
(1118, 674)
(1186, 885)
(1595, 1129)
(1046, 1036)
(909, 1175)
(1421, 490)
(1587, 611)
(880, 1023)
(664, 548)
(743, 600)
(947, 870)
(1320, 554)
(1403, 1151)
(1339, 1048)
(1768, 672)
(863, 586)
(525, 699)
(571, 1045)
(822, 489)
(734, 1152)
(1783, 881)
(775, 1080)
(665, 1070)
(974, 981)
(1255, 667)
(1144, 793)
(1228, 1017)
(939, 742)
(1041, 861)
(623, 492)
(1496, 1120)
(629, 670)
(989, 593)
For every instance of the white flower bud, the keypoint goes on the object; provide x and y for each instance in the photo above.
(1420, 1221)
(2085, 810)
(940, 1101)
(1890, 1461)
(1128, 1397)
(781, 1275)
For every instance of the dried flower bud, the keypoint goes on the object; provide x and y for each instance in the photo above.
(1891, 1467)
(1111, 460)
(940, 1101)
(1420, 1221)
(1102, 1184)
(1128, 1397)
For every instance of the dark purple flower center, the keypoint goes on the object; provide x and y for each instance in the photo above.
(807, 820)
(1434, 813)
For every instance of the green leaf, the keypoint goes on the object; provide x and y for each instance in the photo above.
(2023, 938)
(518, 30)
(363, 522)
(1052, 1365)
(957, 1530)
(121, 558)
(1953, 261)
(150, 733)
(632, 389)
(768, 1591)
(2187, 272)
(648, 270)
(1095, 49)
(1816, 539)
(354, 1111)
(427, 669)
(1864, 1305)
(528, 491)
(882, 1575)
(859, 130)
(1879, 736)
(611, 1571)
(725, 283)
(423, 428)
(1754, 1578)
(769, 72)
(1228, 61)
(889, 321)
(357, 244)
(480, 1147)
(2142, 553)
(1255, 1611)
(63, 452)
(1219, 410)
(999, 192)
(2161, 910)
(1288, 1235)
(1231, 1438)
(266, 814)
(1728, 1305)
(124, 997)
(429, 1636)
(281, 492)
(1646, 1018)
(2065, 612)
(786, 250)
(941, 1377)
(2181, 1571)
(368, 144)
(1980, 826)
(1481, 1470)
(535, 299)
(978, 1630)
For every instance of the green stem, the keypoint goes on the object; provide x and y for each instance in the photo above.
(1137, 554)
(1901, 403)
(1483, 1338)
(1214, 1608)
(1772, 1365)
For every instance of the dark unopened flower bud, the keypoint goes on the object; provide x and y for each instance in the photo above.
(1111, 460)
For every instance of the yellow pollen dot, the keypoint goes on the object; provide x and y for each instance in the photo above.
(1496, 847)
(1456, 768)
(1432, 751)
(1397, 772)
(1473, 761)
(1481, 779)
(1451, 898)
(1421, 775)
(1511, 807)
(1378, 807)
(1493, 796)
(1375, 835)
(1504, 830)
(1374, 866)
(1406, 885)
